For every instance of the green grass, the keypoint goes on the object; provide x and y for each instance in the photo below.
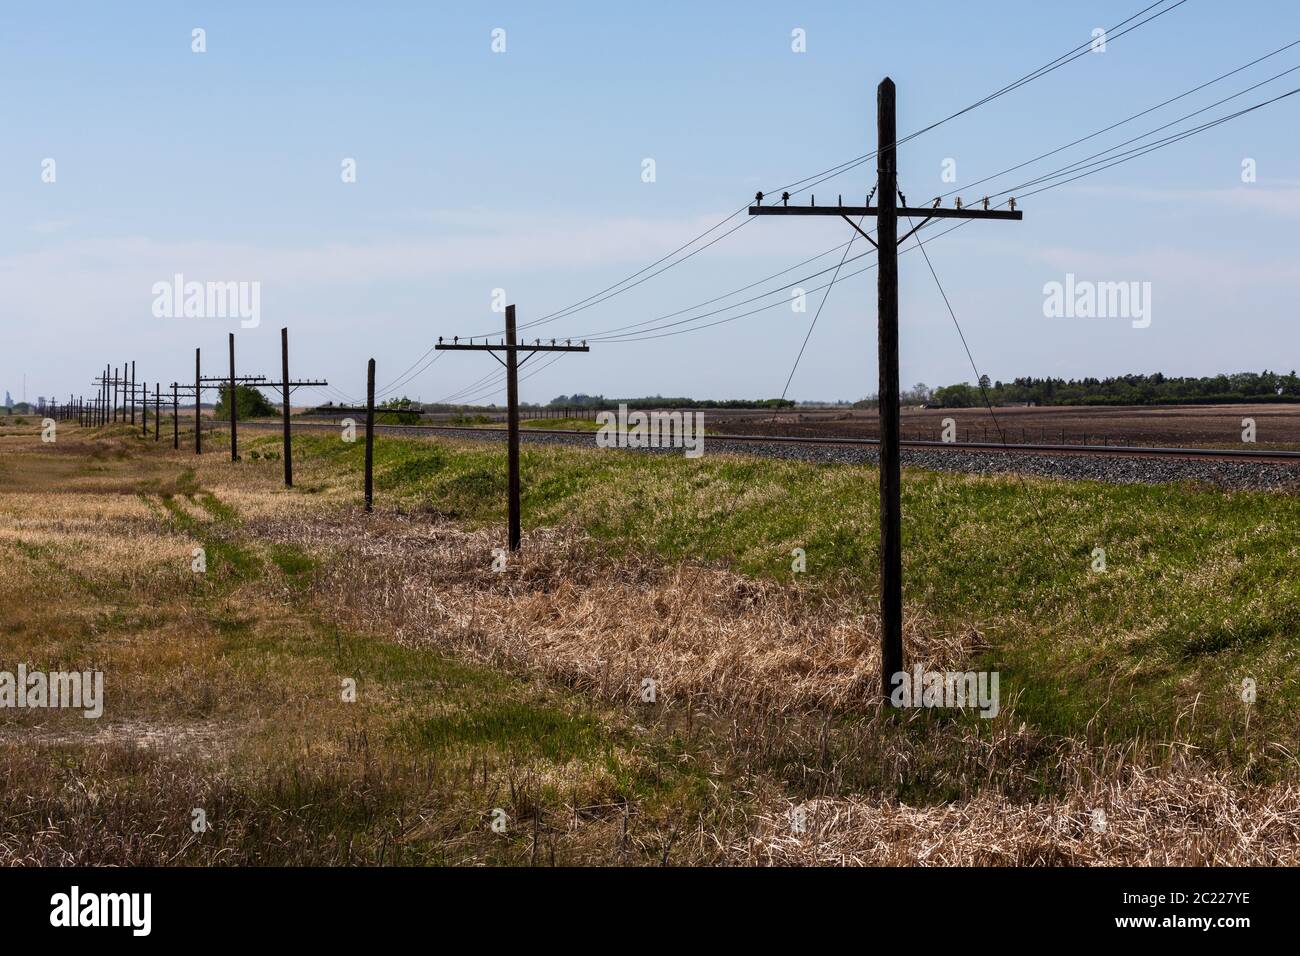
(569, 424)
(1200, 591)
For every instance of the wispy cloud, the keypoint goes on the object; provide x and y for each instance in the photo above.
(1281, 199)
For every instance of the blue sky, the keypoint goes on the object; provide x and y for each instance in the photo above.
(522, 170)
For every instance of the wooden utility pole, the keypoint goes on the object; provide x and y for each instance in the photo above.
(512, 365)
(286, 387)
(198, 417)
(157, 410)
(512, 431)
(232, 382)
(284, 381)
(370, 435)
(886, 213)
(891, 507)
(177, 390)
(234, 404)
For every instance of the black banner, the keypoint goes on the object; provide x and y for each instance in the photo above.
(936, 905)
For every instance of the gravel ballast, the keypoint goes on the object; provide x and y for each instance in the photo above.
(1116, 469)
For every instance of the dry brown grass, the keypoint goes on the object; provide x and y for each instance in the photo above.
(699, 632)
(1167, 817)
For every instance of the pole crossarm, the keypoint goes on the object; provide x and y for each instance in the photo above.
(874, 211)
(297, 384)
(512, 348)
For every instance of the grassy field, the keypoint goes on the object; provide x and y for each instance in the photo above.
(519, 696)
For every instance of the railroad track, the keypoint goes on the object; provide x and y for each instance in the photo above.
(1114, 451)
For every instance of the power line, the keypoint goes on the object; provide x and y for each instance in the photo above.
(1128, 119)
(389, 386)
(401, 382)
(545, 364)
(647, 322)
(744, 288)
(832, 172)
(472, 386)
(1065, 58)
(762, 295)
(1085, 162)
(1126, 157)
(1169, 141)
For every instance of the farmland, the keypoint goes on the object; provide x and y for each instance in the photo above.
(518, 696)
(1216, 426)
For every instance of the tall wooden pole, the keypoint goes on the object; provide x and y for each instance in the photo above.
(114, 396)
(176, 417)
(512, 427)
(132, 392)
(157, 410)
(891, 515)
(511, 363)
(234, 405)
(198, 419)
(284, 379)
(370, 434)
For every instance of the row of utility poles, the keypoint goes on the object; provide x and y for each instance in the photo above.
(886, 212)
(118, 389)
(117, 392)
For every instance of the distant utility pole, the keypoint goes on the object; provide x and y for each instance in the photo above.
(198, 401)
(144, 406)
(177, 390)
(286, 386)
(370, 436)
(233, 383)
(886, 213)
(512, 365)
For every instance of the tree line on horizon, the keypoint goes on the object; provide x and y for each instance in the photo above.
(1154, 389)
